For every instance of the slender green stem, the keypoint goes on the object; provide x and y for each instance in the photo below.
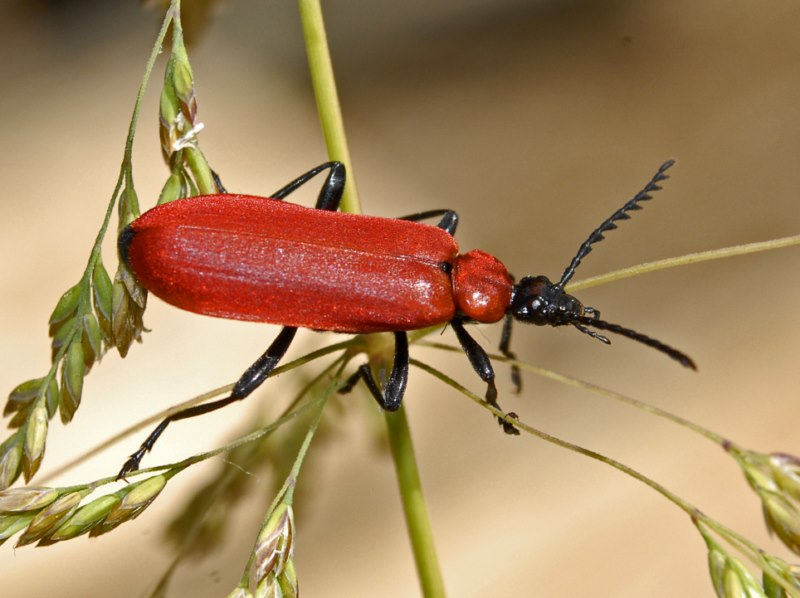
(127, 161)
(414, 506)
(286, 494)
(577, 383)
(745, 546)
(683, 260)
(330, 114)
(687, 507)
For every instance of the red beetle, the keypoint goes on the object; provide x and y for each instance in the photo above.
(266, 260)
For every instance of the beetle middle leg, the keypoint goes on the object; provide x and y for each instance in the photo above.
(448, 223)
(391, 397)
(483, 367)
(330, 196)
(253, 377)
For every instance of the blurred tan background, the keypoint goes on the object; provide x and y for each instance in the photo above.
(535, 120)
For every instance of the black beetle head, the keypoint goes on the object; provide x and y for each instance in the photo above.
(538, 301)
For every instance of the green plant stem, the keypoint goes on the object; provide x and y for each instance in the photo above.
(683, 260)
(416, 511)
(330, 114)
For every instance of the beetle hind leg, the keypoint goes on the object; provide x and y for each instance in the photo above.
(253, 377)
(391, 397)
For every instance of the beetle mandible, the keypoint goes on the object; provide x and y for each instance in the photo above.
(266, 260)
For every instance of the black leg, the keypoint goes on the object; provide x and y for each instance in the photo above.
(505, 344)
(249, 381)
(218, 182)
(448, 223)
(483, 367)
(391, 397)
(330, 196)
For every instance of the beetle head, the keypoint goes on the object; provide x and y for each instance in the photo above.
(536, 300)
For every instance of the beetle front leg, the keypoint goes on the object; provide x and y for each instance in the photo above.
(246, 384)
(483, 367)
(505, 349)
(391, 397)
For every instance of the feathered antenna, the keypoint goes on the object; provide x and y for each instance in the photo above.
(621, 214)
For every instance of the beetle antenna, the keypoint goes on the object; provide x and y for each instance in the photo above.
(621, 214)
(582, 322)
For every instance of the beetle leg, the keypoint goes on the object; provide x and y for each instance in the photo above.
(218, 182)
(330, 196)
(483, 367)
(247, 383)
(448, 223)
(505, 342)
(391, 397)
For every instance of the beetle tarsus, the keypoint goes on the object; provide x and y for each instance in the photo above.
(132, 464)
(507, 426)
(350, 383)
(491, 399)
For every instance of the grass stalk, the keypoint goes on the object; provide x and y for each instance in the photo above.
(414, 506)
(330, 114)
